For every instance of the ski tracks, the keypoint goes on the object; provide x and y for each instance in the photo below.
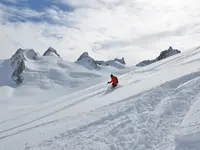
(34, 119)
(147, 121)
(58, 107)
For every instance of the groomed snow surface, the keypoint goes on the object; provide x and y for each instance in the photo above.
(154, 108)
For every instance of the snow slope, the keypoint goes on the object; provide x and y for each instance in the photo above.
(154, 108)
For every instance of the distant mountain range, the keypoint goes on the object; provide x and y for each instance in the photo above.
(25, 61)
(164, 54)
(90, 63)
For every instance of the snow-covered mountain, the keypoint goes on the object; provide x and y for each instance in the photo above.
(164, 54)
(154, 108)
(90, 63)
(51, 52)
(17, 63)
(87, 61)
(45, 74)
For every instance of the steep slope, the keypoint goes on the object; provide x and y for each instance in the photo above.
(145, 112)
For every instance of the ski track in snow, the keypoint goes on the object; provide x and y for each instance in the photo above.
(58, 102)
(75, 99)
(47, 115)
(147, 120)
(133, 123)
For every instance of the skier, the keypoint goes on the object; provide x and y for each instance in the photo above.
(114, 80)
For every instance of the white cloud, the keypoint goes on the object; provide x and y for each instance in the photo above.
(109, 28)
(13, 12)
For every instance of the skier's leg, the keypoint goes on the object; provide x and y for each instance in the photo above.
(114, 85)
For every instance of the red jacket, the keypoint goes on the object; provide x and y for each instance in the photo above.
(114, 80)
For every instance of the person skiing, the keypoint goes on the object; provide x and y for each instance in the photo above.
(114, 80)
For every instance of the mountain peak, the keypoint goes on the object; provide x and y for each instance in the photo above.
(170, 48)
(51, 52)
(167, 53)
(164, 54)
(26, 53)
(17, 62)
(87, 61)
(90, 63)
(84, 55)
(122, 61)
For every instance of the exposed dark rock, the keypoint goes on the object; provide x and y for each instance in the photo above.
(164, 54)
(17, 73)
(87, 61)
(51, 52)
(18, 65)
(167, 53)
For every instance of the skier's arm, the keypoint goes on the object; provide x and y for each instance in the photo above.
(111, 81)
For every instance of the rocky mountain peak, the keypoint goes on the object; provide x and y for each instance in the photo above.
(51, 52)
(164, 54)
(87, 61)
(84, 55)
(17, 62)
(167, 53)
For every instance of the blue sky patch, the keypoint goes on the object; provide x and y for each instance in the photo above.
(35, 5)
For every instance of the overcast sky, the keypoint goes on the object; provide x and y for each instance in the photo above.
(134, 29)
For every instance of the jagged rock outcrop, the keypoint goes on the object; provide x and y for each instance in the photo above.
(17, 73)
(17, 62)
(164, 54)
(167, 53)
(51, 52)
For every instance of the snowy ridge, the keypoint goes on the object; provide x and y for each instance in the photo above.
(88, 62)
(117, 63)
(164, 54)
